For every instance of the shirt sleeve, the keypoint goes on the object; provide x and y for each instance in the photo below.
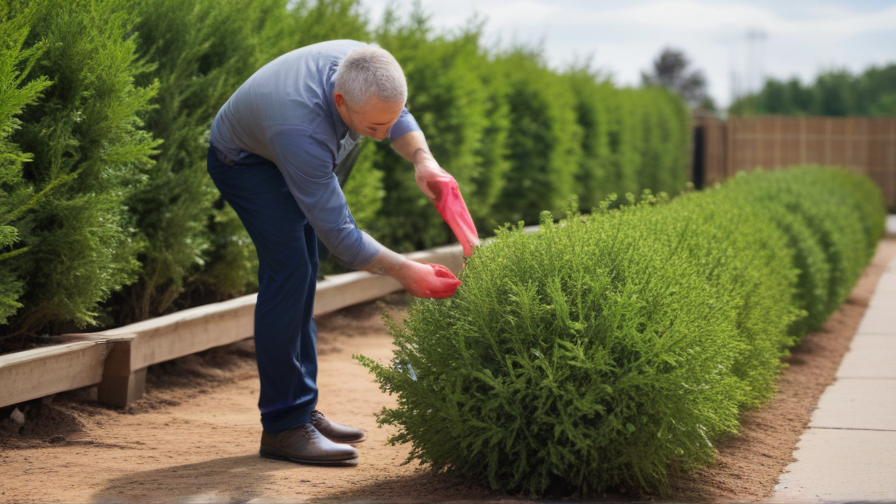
(405, 124)
(307, 166)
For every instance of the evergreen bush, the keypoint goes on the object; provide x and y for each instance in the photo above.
(616, 348)
(108, 226)
(16, 195)
(544, 149)
(195, 242)
(89, 153)
(451, 100)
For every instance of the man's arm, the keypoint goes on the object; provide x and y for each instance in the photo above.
(439, 186)
(307, 168)
(413, 147)
(420, 279)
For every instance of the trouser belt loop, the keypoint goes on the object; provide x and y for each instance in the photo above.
(223, 157)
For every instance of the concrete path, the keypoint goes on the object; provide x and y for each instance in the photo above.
(848, 453)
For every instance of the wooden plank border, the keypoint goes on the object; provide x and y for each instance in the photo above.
(116, 359)
(45, 371)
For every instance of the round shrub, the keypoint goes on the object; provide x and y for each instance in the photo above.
(616, 348)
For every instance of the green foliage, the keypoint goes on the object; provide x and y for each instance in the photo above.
(195, 243)
(450, 96)
(89, 153)
(833, 221)
(594, 178)
(198, 65)
(16, 195)
(108, 226)
(544, 150)
(834, 93)
(616, 348)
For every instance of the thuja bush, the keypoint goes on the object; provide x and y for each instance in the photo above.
(833, 221)
(88, 153)
(545, 148)
(460, 113)
(617, 348)
(16, 194)
(196, 248)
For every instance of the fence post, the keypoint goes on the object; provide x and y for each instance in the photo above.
(698, 169)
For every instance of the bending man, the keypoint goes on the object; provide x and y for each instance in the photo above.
(273, 149)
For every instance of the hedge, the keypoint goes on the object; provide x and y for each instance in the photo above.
(89, 153)
(615, 349)
(16, 196)
(108, 217)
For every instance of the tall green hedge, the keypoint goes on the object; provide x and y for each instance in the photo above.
(195, 242)
(107, 215)
(90, 152)
(615, 348)
(16, 194)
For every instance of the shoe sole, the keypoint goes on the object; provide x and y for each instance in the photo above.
(270, 453)
(351, 442)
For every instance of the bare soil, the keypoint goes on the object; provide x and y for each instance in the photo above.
(194, 436)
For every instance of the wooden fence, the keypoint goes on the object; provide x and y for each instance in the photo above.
(863, 145)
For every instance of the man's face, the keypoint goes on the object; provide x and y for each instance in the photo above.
(374, 119)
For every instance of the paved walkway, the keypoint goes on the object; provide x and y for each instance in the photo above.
(848, 453)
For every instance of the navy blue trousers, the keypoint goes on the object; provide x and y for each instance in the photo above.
(285, 333)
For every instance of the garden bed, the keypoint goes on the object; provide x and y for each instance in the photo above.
(196, 431)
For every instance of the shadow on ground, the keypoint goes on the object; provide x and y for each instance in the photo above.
(245, 476)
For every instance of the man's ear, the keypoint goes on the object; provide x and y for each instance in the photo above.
(339, 99)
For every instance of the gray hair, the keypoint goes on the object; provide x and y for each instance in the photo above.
(371, 71)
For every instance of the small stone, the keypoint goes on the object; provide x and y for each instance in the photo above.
(18, 417)
(93, 393)
(58, 438)
(48, 399)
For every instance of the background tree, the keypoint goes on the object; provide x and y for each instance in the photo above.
(834, 93)
(672, 70)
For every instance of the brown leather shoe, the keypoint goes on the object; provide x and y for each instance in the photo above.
(306, 444)
(336, 432)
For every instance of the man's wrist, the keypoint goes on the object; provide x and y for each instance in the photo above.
(421, 155)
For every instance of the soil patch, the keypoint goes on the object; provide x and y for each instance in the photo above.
(194, 436)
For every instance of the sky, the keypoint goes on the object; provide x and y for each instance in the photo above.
(736, 43)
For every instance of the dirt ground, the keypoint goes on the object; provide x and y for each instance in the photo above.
(194, 437)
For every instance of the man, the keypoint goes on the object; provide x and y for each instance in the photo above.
(273, 149)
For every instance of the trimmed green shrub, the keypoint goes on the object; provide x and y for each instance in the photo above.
(616, 348)
(834, 221)
(89, 154)
(665, 145)
(594, 178)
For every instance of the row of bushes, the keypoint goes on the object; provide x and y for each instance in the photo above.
(834, 93)
(107, 215)
(616, 348)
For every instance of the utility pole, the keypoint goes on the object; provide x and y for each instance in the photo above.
(755, 71)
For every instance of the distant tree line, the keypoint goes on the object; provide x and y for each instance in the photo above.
(834, 93)
(107, 214)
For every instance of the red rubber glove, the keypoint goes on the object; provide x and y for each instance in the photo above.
(450, 204)
(425, 280)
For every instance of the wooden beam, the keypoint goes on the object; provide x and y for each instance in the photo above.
(117, 359)
(138, 346)
(45, 371)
